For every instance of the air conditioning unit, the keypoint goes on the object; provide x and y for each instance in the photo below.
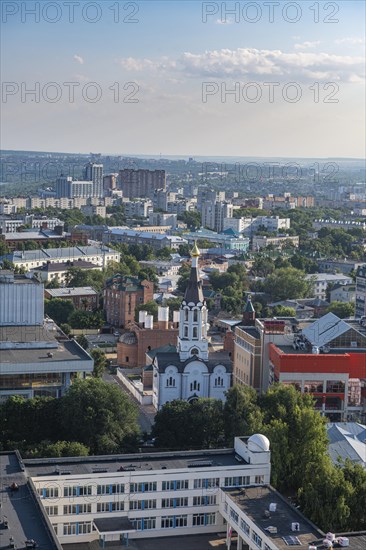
(273, 507)
(343, 541)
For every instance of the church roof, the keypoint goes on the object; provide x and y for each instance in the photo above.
(168, 348)
(248, 307)
(194, 291)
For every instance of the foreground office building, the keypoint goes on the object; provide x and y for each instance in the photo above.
(140, 496)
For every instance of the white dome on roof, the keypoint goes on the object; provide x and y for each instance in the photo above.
(258, 443)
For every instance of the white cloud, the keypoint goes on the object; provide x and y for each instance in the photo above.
(137, 65)
(253, 63)
(250, 62)
(306, 45)
(79, 59)
(227, 21)
(353, 41)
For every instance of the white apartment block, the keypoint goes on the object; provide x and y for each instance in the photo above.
(30, 259)
(214, 214)
(322, 280)
(248, 226)
(118, 497)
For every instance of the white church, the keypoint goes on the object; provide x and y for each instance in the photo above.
(191, 371)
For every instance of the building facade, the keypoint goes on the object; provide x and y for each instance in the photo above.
(141, 183)
(36, 359)
(360, 292)
(84, 298)
(122, 295)
(30, 259)
(146, 496)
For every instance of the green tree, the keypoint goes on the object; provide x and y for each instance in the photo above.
(100, 416)
(100, 362)
(283, 311)
(59, 310)
(343, 310)
(287, 283)
(82, 341)
(65, 327)
(200, 425)
(60, 449)
(192, 219)
(241, 413)
(289, 414)
(325, 495)
(262, 266)
(151, 307)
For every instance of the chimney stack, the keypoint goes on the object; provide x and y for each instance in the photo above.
(149, 322)
(163, 318)
(142, 318)
(176, 315)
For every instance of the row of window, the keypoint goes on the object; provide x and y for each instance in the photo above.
(174, 522)
(145, 487)
(118, 506)
(244, 526)
(143, 524)
(171, 383)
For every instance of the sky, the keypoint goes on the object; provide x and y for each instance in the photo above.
(184, 77)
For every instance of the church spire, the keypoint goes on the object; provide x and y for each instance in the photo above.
(249, 312)
(194, 292)
(193, 321)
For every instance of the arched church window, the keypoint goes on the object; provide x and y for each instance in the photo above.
(186, 314)
(194, 351)
(195, 332)
(185, 332)
(195, 316)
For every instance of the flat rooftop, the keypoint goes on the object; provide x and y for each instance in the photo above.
(21, 509)
(142, 462)
(67, 350)
(69, 292)
(209, 541)
(255, 500)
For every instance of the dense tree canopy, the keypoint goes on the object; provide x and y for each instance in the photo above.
(287, 283)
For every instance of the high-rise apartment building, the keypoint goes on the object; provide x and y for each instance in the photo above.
(141, 183)
(66, 187)
(94, 173)
(214, 214)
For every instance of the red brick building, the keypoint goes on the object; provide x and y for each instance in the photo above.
(121, 296)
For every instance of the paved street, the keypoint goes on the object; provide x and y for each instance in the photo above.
(146, 412)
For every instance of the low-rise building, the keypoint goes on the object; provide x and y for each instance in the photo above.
(324, 281)
(343, 293)
(145, 337)
(122, 294)
(279, 242)
(155, 240)
(327, 359)
(30, 259)
(84, 298)
(60, 272)
(339, 266)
